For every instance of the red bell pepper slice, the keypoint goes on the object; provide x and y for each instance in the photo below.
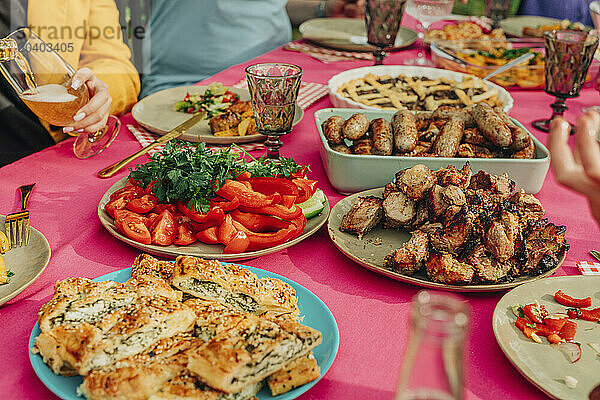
(209, 235)
(568, 331)
(569, 301)
(259, 222)
(306, 187)
(244, 176)
(151, 219)
(300, 223)
(184, 236)
(526, 327)
(238, 244)
(246, 196)
(148, 189)
(259, 241)
(274, 185)
(535, 313)
(301, 173)
(225, 205)
(555, 324)
(587, 315)
(276, 210)
(288, 200)
(215, 216)
(159, 208)
(227, 231)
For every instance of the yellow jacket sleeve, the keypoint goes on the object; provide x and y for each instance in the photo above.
(92, 27)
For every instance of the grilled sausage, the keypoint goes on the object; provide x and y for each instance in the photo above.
(447, 142)
(447, 112)
(341, 148)
(520, 137)
(405, 131)
(355, 127)
(527, 153)
(363, 146)
(332, 129)
(383, 138)
(466, 150)
(474, 136)
(419, 151)
(491, 125)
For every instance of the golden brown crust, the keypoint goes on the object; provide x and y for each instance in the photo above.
(232, 285)
(249, 352)
(294, 374)
(145, 264)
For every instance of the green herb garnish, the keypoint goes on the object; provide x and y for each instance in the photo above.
(191, 173)
(9, 273)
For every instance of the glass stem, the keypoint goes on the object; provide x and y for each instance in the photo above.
(273, 144)
(379, 55)
(422, 48)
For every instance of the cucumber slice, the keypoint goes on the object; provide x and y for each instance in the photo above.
(313, 206)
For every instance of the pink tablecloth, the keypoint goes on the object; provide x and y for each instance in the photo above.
(371, 310)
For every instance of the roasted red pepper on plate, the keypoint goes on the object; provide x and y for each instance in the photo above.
(567, 332)
(214, 217)
(225, 205)
(276, 210)
(587, 315)
(185, 235)
(259, 241)
(226, 230)
(535, 312)
(246, 196)
(569, 301)
(306, 187)
(274, 185)
(259, 222)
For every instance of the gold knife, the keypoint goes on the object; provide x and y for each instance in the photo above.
(172, 134)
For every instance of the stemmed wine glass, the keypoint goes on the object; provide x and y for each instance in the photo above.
(426, 12)
(497, 10)
(383, 21)
(273, 90)
(42, 79)
(568, 58)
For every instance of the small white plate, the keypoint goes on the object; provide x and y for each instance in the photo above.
(26, 262)
(156, 114)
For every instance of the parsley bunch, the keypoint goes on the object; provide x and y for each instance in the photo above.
(191, 173)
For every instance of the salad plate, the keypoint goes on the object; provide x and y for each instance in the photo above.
(199, 249)
(26, 263)
(156, 114)
(313, 311)
(542, 365)
(377, 243)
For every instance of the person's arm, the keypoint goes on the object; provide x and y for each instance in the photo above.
(579, 171)
(302, 10)
(108, 57)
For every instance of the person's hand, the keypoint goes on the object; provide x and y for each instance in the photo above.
(93, 116)
(578, 170)
(346, 8)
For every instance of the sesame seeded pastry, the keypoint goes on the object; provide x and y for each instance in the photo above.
(232, 285)
(294, 374)
(145, 264)
(252, 350)
(188, 386)
(117, 335)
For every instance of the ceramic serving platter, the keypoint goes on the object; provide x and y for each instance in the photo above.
(156, 114)
(315, 30)
(199, 249)
(513, 26)
(371, 250)
(26, 262)
(314, 313)
(349, 173)
(541, 364)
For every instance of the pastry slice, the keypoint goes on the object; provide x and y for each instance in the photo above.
(145, 264)
(186, 386)
(123, 333)
(296, 373)
(250, 351)
(139, 376)
(232, 285)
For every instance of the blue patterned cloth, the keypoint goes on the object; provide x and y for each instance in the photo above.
(190, 40)
(573, 10)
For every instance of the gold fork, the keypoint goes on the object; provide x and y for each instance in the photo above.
(16, 225)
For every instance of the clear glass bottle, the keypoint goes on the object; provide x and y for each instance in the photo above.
(432, 368)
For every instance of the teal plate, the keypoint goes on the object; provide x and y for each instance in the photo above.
(315, 312)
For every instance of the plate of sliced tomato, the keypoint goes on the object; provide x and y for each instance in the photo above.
(250, 217)
(549, 330)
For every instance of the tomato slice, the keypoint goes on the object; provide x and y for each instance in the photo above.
(151, 218)
(117, 204)
(148, 189)
(184, 236)
(165, 230)
(129, 191)
(135, 229)
(209, 235)
(142, 204)
(159, 208)
(238, 244)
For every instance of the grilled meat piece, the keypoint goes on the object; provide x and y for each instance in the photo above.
(363, 146)
(448, 112)
(447, 142)
(409, 258)
(383, 137)
(452, 176)
(443, 197)
(389, 188)
(415, 181)
(362, 216)
(355, 127)
(332, 129)
(498, 243)
(422, 214)
(341, 148)
(240, 107)
(527, 206)
(419, 151)
(543, 247)
(487, 269)
(491, 125)
(499, 186)
(445, 268)
(399, 210)
(224, 121)
(466, 150)
(520, 137)
(404, 125)
(453, 235)
(527, 153)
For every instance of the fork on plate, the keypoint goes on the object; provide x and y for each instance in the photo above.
(16, 225)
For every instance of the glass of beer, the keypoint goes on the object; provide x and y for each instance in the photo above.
(42, 79)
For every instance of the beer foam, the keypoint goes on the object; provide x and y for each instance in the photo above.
(51, 93)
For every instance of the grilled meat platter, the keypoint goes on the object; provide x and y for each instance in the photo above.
(465, 228)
